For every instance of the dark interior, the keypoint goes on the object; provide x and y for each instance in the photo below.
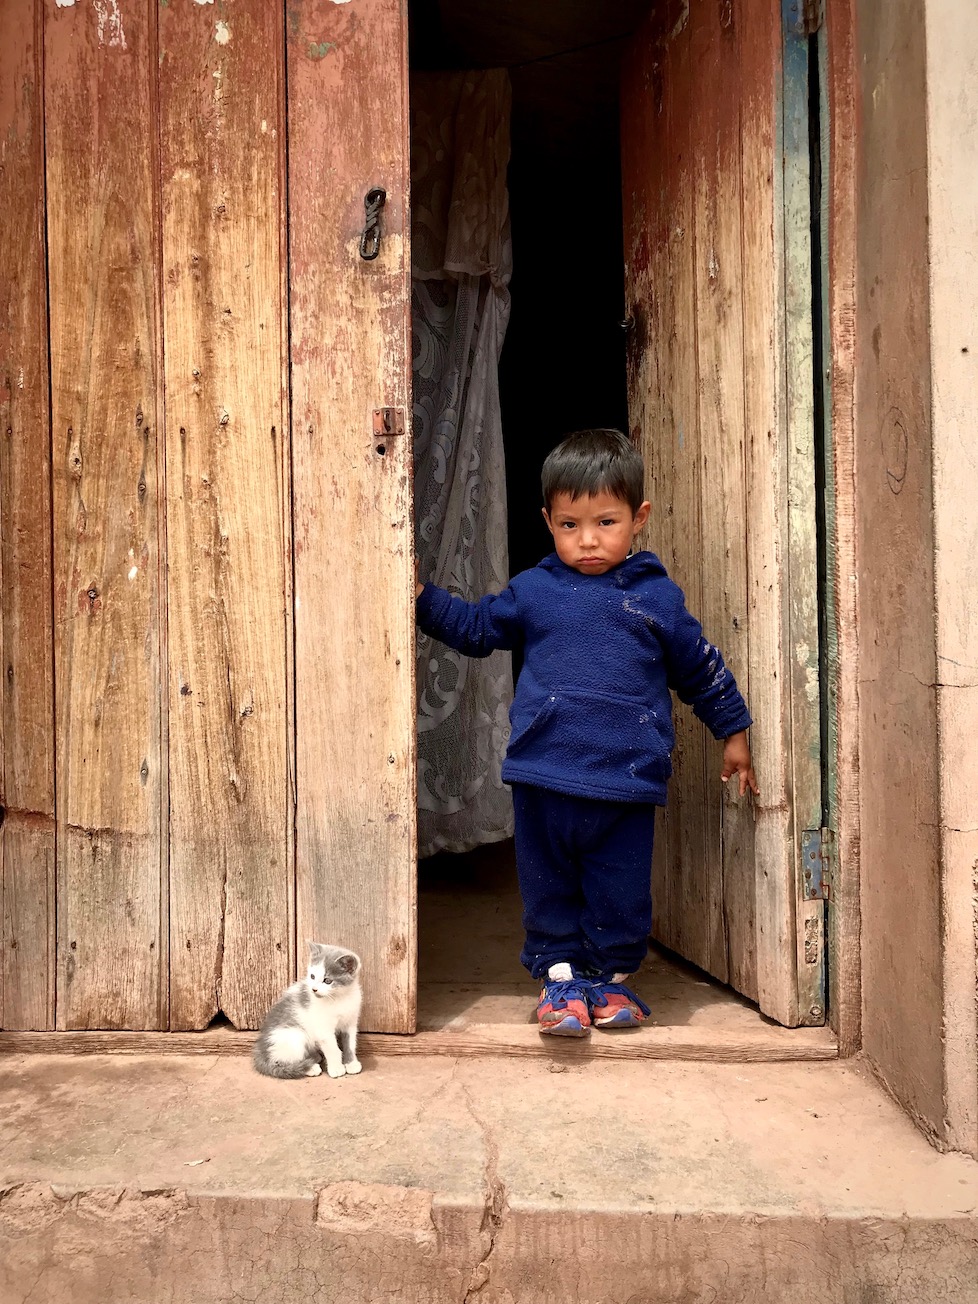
(563, 362)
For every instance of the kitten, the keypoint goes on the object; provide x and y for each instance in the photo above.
(314, 1020)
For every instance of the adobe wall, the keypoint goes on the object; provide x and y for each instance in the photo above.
(898, 742)
(952, 181)
(916, 551)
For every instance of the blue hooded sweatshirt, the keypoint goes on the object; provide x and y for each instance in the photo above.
(592, 714)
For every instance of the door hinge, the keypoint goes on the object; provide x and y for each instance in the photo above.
(802, 17)
(813, 16)
(816, 864)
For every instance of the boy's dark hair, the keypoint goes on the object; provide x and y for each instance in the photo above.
(591, 460)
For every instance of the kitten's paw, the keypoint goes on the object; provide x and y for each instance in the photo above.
(314, 1071)
(338, 1070)
(353, 1066)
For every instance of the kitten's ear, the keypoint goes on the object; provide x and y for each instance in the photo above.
(349, 964)
(316, 950)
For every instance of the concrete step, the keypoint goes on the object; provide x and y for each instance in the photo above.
(191, 1180)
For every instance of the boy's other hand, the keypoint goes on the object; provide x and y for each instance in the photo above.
(736, 760)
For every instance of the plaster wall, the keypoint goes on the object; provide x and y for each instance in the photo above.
(898, 742)
(952, 180)
(916, 545)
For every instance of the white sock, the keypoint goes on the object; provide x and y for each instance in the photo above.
(560, 973)
(620, 977)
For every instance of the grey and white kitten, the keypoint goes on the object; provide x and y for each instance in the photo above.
(314, 1020)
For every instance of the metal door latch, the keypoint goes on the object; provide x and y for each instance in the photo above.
(373, 201)
(388, 421)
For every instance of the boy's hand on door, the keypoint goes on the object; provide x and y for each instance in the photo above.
(736, 760)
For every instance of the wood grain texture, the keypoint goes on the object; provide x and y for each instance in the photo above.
(661, 206)
(660, 213)
(711, 1045)
(103, 237)
(839, 166)
(354, 610)
(767, 491)
(715, 52)
(692, 919)
(713, 194)
(648, 302)
(648, 305)
(222, 160)
(27, 853)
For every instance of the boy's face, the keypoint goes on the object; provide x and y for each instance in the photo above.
(593, 533)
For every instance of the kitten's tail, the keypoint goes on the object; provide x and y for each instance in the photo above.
(276, 1068)
(284, 1053)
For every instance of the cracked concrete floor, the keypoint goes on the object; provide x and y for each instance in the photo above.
(767, 1138)
(477, 1175)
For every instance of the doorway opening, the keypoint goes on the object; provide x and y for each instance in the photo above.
(563, 367)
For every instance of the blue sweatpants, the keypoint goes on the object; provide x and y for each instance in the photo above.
(585, 873)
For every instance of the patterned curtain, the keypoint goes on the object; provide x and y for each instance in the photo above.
(461, 264)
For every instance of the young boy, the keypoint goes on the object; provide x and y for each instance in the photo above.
(605, 635)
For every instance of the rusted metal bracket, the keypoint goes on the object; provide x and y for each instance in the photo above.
(388, 422)
(816, 864)
(802, 17)
(813, 16)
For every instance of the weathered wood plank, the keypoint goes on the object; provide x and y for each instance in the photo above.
(688, 798)
(647, 299)
(103, 235)
(720, 368)
(681, 885)
(706, 163)
(354, 621)
(27, 886)
(770, 1045)
(767, 491)
(726, 893)
(839, 235)
(222, 159)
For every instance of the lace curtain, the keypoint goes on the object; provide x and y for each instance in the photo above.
(460, 266)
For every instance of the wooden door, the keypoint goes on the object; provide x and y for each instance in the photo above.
(715, 159)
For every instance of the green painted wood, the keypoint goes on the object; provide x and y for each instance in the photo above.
(803, 680)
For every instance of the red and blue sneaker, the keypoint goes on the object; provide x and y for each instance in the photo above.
(562, 1010)
(613, 1005)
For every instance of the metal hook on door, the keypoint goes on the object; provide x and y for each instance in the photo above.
(373, 201)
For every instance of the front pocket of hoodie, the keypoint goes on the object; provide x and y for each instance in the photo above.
(618, 740)
(523, 731)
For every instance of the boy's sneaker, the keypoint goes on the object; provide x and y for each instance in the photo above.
(562, 1010)
(613, 1005)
